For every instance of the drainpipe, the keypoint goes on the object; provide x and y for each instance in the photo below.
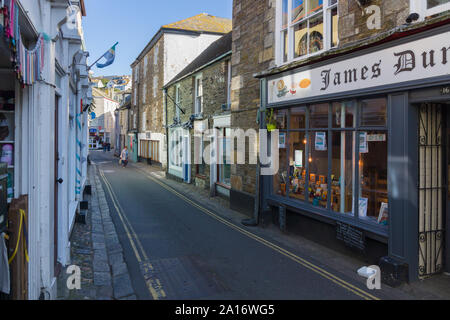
(167, 130)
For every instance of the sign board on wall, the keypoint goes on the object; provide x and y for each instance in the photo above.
(421, 59)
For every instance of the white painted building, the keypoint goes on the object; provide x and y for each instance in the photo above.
(49, 134)
(105, 119)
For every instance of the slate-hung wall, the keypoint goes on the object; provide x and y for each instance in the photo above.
(253, 51)
(214, 96)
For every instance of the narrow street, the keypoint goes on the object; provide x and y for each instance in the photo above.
(176, 251)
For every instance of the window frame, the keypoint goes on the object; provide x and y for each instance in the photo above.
(198, 107)
(357, 129)
(177, 101)
(279, 39)
(420, 7)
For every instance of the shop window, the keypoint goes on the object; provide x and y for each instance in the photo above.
(318, 161)
(297, 165)
(343, 115)
(374, 113)
(298, 118)
(318, 116)
(373, 175)
(280, 180)
(318, 169)
(306, 27)
(342, 171)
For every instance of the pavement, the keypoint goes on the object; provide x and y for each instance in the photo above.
(96, 249)
(178, 243)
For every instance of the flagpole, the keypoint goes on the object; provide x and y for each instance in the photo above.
(101, 57)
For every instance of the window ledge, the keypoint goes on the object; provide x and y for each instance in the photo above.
(220, 184)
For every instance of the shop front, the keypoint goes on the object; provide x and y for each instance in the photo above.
(362, 146)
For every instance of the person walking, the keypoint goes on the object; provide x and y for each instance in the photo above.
(124, 157)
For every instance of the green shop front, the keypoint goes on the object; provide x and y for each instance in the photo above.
(363, 147)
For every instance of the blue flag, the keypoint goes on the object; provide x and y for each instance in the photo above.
(110, 55)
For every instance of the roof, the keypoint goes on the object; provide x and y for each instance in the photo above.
(101, 94)
(216, 50)
(201, 23)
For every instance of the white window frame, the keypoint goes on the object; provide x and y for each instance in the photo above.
(177, 101)
(135, 95)
(144, 121)
(145, 66)
(198, 107)
(420, 7)
(144, 93)
(327, 25)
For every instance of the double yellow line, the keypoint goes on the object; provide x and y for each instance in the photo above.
(320, 271)
(153, 284)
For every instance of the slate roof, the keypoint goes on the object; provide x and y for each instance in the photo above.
(217, 49)
(202, 23)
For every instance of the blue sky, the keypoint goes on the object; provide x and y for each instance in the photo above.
(133, 23)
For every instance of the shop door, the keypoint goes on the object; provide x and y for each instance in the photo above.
(58, 181)
(432, 189)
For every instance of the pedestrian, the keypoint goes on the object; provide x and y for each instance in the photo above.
(124, 157)
(104, 146)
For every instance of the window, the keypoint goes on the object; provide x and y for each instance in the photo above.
(144, 93)
(426, 8)
(198, 94)
(228, 66)
(334, 157)
(144, 121)
(306, 27)
(177, 101)
(135, 96)
(224, 154)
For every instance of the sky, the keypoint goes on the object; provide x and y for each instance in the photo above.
(133, 23)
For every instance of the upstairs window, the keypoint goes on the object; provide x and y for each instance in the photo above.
(177, 101)
(306, 27)
(198, 94)
(426, 8)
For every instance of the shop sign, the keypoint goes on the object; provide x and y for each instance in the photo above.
(421, 59)
(445, 91)
(351, 236)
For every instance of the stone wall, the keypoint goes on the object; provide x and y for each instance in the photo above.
(353, 18)
(253, 51)
(214, 96)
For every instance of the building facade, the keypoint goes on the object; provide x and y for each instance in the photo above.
(197, 102)
(45, 145)
(358, 93)
(172, 48)
(102, 128)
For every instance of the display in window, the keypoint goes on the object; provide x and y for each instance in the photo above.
(7, 154)
(282, 140)
(344, 115)
(363, 143)
(316, 34)
(280, 180)
(373, 175)
(301, 39)
(363, 207)
(318, 170)
(384, 214)
(342, 171)
(282, 89)
(4, 127)
(321, 141)
(7, 102)
(297, 147)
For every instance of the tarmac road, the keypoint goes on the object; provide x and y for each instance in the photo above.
(176, 249)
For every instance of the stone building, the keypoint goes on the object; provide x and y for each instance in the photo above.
(170, 50)
(359, 95)
(198, 100)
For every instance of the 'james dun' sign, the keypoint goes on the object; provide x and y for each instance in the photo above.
(421, 59)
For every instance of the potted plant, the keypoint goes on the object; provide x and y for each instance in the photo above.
(271, 123)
